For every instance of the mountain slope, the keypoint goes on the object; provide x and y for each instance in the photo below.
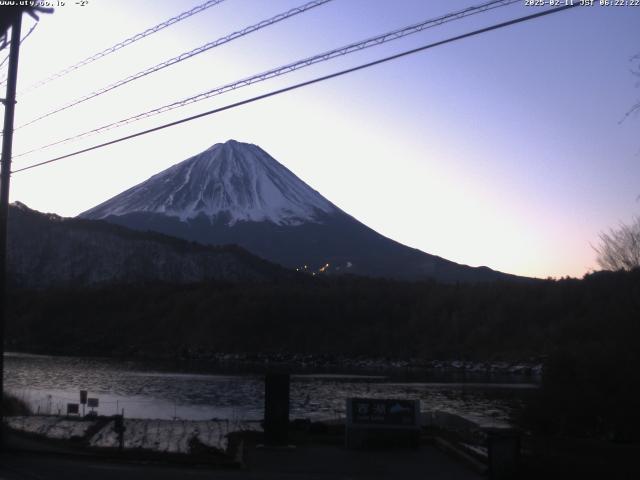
(237, 193)
(46, 250)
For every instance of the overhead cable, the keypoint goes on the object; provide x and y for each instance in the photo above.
(33, 27)
(124, 43)
(304, 84)
(322, 57)
(182, 57)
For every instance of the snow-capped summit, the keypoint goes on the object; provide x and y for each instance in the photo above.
(232, 181)
(236, 193)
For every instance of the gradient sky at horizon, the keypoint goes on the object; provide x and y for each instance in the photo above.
(505, 149)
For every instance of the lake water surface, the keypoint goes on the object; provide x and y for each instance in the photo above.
(147, 390)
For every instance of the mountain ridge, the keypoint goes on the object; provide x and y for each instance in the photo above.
(46, 250)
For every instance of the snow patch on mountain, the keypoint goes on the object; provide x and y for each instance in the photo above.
(238, 181)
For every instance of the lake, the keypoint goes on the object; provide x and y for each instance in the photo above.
(147, 390)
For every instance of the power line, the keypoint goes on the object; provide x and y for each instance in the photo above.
(3, 62)
(306, 83)
(322, 57)
(125, 43)
(184, 56)
(33, 27)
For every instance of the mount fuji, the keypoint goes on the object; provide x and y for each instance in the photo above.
(236, 193)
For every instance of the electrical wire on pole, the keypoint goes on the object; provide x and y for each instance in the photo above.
(305, 84)
(182, 57)
(11, 18)
(33, 27)
(124, 43)
(4, 79)
(282, 70)
(5, 177)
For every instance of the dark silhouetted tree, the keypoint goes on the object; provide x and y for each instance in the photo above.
(620, 248)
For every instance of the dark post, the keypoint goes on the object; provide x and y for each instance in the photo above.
(504, 453)
(5, 176)
(83, 400)
(120, 429)
(276, 408)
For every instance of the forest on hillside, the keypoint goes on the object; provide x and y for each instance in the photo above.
(332, 315)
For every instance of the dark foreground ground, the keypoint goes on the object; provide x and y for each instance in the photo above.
(309, 462)
(30, 458)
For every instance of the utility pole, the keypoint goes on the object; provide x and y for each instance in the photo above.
(5, 177)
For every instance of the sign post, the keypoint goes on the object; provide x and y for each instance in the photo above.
(92, 403)
(382, 422)
(73, 409)
(83, 400)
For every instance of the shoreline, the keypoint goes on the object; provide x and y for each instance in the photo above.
(304, 364)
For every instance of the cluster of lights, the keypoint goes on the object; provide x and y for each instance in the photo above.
(306, 269)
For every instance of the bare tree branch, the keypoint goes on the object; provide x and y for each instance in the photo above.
(635, 108)
(620, 248)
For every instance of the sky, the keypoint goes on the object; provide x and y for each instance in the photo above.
(507, 149)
